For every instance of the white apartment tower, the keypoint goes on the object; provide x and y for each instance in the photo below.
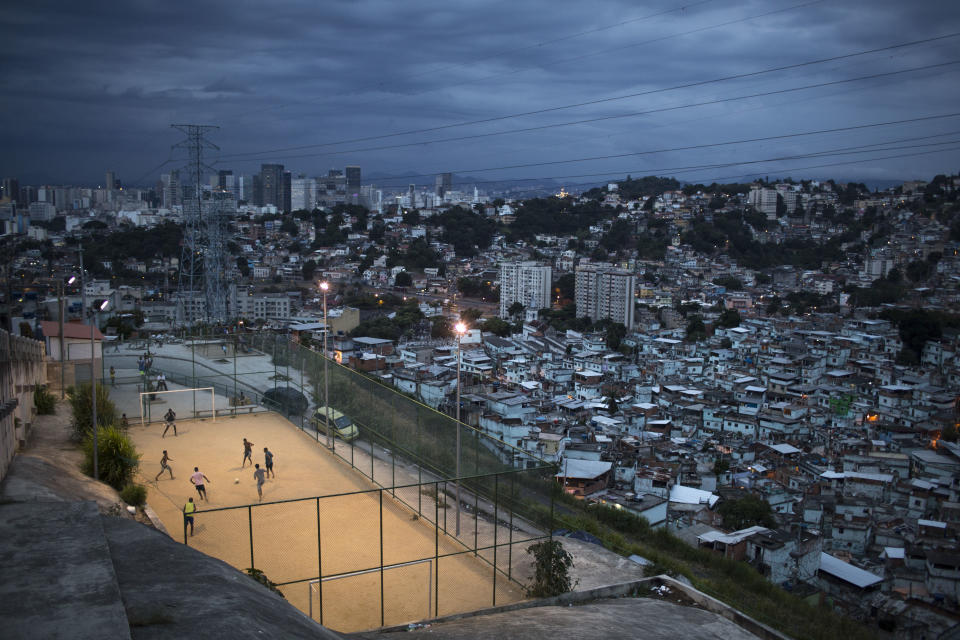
(528, 283)
(603, 291)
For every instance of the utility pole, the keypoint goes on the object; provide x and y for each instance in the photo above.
(93, 376)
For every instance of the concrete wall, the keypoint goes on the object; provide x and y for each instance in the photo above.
(22, 369)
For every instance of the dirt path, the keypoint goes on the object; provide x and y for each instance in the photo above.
(48, 469)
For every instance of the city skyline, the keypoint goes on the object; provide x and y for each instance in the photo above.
(89, 89)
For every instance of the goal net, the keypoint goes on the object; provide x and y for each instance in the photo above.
(200, 401)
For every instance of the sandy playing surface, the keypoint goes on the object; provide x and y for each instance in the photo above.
(285, 535)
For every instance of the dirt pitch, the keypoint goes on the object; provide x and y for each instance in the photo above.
(285, 541)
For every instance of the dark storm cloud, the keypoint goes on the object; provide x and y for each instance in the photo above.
(95, 85)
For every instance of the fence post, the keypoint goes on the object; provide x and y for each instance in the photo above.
(250, 526)
(319, 566)
(476, 517)
(513, 489)
(496, 523)
(436, 547)
(381, 560)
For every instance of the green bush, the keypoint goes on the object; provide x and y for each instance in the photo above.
(44, 401)
(260, 577)
(134, 494)
(81, 405)
(551, 569)
(117, 458)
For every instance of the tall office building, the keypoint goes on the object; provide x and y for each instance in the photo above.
(271, 186)
(335, 181)
(285, 192)
(443, 185)
(11, 190)
(528, 283)
(605, 292)
(222, 176)
(353, 180)
(245, 189)
(172, 193)
(303, 193)
(112, 181)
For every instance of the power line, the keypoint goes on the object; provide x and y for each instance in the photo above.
(649, 170)
(695, 146)
(603, 100)
(604, 118)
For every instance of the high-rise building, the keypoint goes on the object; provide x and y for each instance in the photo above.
(335, 181)
(303, 193)
(245, 188)
(765, 201)
(285, 192)
(271, 185)
(412, 193)
(11, 190)
(443, 185)
(602, 291)
(528, 283)
(353, 180)
(172, 192)
(112, 181)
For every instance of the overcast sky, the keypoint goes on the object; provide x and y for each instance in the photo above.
(94, 86)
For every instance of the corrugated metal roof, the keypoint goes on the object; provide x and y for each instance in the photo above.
(847, 572)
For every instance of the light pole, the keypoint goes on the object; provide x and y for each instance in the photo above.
(460, 328)
(325, 286)
(63, 363)
(93, 383)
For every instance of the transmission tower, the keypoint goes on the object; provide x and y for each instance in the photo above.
(201, 294)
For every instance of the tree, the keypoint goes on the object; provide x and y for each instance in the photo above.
(746, 512)
(471, 315)
(309, 267)
(403, 279)
(516, 309)
(552, 566)
(730, 282)
(82, 407)
(612, 407)
(565, 286)
(289, 226)
(243, 266)
(729, 319)
(696, 330)
(720, 466)
(498, 327)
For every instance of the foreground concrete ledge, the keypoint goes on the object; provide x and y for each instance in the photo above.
(622, 590)
(59, 579)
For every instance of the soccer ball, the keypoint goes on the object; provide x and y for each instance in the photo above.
(236, 481)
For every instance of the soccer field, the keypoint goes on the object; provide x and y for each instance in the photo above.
(352, 528)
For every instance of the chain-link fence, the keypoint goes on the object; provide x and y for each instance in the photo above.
(445, 531)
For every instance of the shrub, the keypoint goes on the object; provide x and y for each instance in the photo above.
(44, 401)
(260, 577)
(134, 494)
(552, 569)
(81, 405)
(117, 458)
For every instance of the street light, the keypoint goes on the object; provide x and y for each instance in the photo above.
(324, 286)
(93, 377)
(460, 329)
(61, 312)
